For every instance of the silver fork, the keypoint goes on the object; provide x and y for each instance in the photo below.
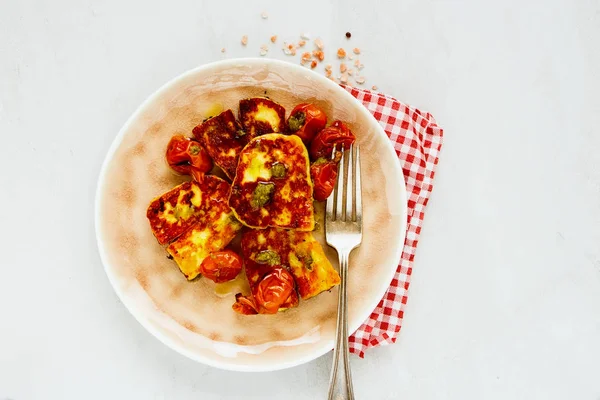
(343, 231)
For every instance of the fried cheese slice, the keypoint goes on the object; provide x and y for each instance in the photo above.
(260, 115)
(272, 185)
(298, 251)
(214, 228)
(223, 138)
(175, 211)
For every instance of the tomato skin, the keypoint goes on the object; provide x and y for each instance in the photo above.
(338, 135)
(176, 154)
(199, 158)
(221, 266)
(185, 155)
(306, 120)
(323, 174)
(244, 305)
(273, 290)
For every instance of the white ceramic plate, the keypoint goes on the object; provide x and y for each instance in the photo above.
(194, 318)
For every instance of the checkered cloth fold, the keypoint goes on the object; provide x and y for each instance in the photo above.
(417, 141)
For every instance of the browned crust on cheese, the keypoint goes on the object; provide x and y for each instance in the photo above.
(298, 251)
(223, 138)
(250, 116)
(176, 203)
(292, 195)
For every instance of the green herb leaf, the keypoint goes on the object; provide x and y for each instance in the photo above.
(267, 257)
(296, 121)
(262, 194)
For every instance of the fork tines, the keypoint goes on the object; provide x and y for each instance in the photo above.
(346, 204)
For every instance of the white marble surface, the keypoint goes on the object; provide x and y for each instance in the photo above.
(505, 297)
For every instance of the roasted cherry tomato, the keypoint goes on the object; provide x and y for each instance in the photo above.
(323, 174)
(221, 266)
(273, 290)
(188, 157)
(338, 134)
(244, 305)
(177, 155)
(306, 120)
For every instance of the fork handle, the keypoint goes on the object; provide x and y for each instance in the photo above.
(340, 384)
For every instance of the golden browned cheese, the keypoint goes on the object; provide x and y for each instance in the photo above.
(175, 211)
(261, 115)
(298, 251)
(272, 186)
(209, 221)
(223, 138)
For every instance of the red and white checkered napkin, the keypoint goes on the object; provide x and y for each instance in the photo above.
(417, 141)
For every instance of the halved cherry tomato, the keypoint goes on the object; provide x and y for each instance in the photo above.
(338, 134)
(273, 290)
(221, 266)
(244, 305)
(187, 156)
(323, 174)
(306, 120)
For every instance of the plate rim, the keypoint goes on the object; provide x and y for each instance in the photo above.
(130, 305)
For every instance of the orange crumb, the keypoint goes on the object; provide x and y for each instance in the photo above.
(223, 50)
(313, 64)
(356, 50)
(357, 62)
(305, 57)
(374, 87)
(273, 38)
(245, 40)
(343, 67)
(301, 43)
(341, 53)
(360, 80)
(344, 78)
(319, 55)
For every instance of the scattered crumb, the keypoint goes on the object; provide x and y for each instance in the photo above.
(343, 67)
(361, 66)
(328, 66)
(292, 49)
(374, 87)
(319, 44)
(313, 64)
(264, 49)
(328, 73)
(273, 38)
(341, 53)
(357, 62)
(348, 35)
(306, 57)
(301, 43)
(319, 55)
(264, 15)
(360, 80)
(356, 50)
(350, 72)
(305, 36)
(344, 78)
(223, 50)
(289, 49)
(350, 58)
(245, 40)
